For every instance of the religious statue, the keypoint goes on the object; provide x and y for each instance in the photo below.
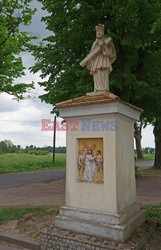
(100, 59)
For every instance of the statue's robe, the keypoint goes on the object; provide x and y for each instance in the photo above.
(100, 66)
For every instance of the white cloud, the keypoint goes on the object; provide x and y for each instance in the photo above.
(20, 122)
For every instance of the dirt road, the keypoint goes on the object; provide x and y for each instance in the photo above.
(53, 192)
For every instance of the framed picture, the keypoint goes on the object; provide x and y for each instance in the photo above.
(90, 159)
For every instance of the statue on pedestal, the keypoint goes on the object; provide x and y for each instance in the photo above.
(100, 59)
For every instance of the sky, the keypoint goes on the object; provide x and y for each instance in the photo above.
(20, 122)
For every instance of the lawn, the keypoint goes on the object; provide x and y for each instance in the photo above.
(154, 212)
(14, 163)
(16, 213)
(147, 157)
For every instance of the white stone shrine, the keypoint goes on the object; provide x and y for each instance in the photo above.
(100, 175)
(106, 208)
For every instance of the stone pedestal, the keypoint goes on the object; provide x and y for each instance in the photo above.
(106, 208)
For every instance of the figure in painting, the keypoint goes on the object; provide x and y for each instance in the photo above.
(100, 59)
(89, 166)
(98, 175)
(81, 163)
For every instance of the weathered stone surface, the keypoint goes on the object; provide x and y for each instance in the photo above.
(67, 240)
(116, 227)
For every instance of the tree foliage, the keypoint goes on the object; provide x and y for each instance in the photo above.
(13, 41)
(135, 27)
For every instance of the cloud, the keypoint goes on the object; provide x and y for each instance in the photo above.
(20, 122)
(7, 103)
(23, 125)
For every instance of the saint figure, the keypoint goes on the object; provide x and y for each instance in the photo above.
(89, 166)
(100, 59)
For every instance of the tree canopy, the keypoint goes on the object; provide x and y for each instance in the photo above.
(135, 27)
(14, 14)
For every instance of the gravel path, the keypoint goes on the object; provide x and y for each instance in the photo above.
(149, 190)
(144, 164)
(45, 193)
(53, 192)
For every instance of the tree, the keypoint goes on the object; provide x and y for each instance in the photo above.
(14, 14)
(3, 147)
(7, 146)
(135, 27)
(157, 135)
(138, 136)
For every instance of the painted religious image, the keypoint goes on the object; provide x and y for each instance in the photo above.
(90, 159)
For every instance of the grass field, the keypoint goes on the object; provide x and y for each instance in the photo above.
(147, 157)
(14, 163)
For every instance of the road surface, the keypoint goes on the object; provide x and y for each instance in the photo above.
(20, 179)
(144, 164)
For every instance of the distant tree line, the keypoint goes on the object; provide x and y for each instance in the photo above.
(7, 146)
(47, 148)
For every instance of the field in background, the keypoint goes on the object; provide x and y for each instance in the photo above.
(14, 163)
(149, 156)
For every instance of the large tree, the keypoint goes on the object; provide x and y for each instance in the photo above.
(138, 137)
(14, 15)
(135, 27)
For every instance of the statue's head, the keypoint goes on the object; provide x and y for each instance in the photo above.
(100, 30)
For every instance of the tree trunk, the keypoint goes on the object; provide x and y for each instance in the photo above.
(138, 137)
(157, 135)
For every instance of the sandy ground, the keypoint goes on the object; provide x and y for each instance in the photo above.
(149, 190)
(53, 192)
(45, 193)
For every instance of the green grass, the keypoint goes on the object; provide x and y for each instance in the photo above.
(147, 157)
(16, 213)
(154, 212)
(14, 163)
